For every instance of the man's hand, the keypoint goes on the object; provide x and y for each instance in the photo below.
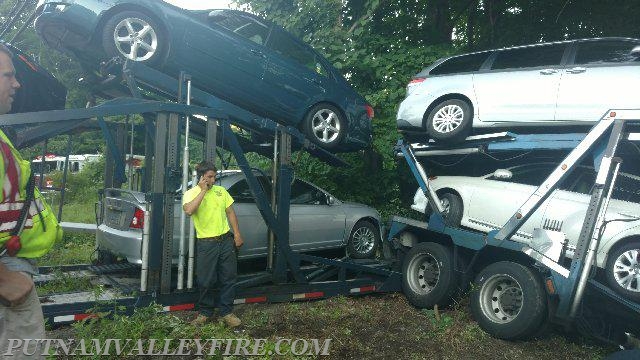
(14, 287)
(237, 240)
(203, 183)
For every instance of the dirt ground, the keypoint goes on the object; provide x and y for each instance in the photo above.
(388, 327)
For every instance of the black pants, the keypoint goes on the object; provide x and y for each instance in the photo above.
(217, 264)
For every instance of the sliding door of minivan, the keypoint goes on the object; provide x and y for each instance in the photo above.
(604, 76)
(522, 84)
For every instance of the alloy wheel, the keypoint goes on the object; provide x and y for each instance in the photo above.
(135, 39)
(626, 270)
(363, 240)
(326, 126)
(448, 118)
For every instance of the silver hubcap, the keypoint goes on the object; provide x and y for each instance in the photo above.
(363, 240)
(626, 270)
(135, 39)
(501, 298)
(448, 118)
(423, 273)
(326, 126)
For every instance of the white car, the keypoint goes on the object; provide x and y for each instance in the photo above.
(487, 202)
(551, 84)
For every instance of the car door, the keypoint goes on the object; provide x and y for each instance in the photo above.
(226, 56)
(294, 74)
(252, 225)
(496, 200)
(603, 75)
(521, 85)
(313, 223)
(568, 205)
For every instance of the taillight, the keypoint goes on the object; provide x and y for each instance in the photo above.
(416, 81)
(370, 112)
(138, 220)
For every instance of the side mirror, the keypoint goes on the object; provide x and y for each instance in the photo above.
(331, 200)
(502, 174)
(636, 51)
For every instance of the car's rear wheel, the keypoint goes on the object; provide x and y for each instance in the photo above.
(134, 36)
(450, 121)
(325, 126)
(364, 240)
(623, 270)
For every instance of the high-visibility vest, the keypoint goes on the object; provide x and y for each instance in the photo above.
(41, 229)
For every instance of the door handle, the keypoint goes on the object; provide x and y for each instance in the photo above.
(257, 53)
(576, 70)
(548, 71)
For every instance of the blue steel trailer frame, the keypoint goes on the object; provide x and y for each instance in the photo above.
(294, 276)
(575, 298)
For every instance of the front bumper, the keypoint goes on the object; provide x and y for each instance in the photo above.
(68, 26)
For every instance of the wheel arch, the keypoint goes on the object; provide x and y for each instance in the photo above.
(436, 102)
(308, 111)
(370, 219)
(618, 244)
(97, 35)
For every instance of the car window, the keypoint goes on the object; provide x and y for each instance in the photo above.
(303, 193)
(533, 56)
(626, 188)
(241, 193)
(460, 64)
(244, 26)
(581, 180)
(285, 45)
(605, 52)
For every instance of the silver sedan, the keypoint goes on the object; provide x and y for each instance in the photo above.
(317, 221)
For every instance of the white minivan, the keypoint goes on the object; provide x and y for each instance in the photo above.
(562, 83)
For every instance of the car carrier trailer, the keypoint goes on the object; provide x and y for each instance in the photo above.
(289, 276)
(519, 287)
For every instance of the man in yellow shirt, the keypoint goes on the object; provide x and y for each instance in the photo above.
(211, 208)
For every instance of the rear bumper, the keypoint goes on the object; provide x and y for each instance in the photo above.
(69, 27)
(125, 244)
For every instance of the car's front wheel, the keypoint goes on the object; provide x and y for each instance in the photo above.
(135, 36)
(452, 209)
(623, 270)
(325, 126)
(450, 121)
(364, 240)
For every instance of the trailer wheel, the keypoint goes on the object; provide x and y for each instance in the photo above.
(508, 301)
(428, 275)
(623, 270)
(364, 240)
(135, 36)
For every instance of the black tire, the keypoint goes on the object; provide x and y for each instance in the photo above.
(450, 121)
(453, 209)
(105, 257)
(325, 126)
(363, 241)
(509, 301)
(154, 37)
(429, 276)
(623, 270)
